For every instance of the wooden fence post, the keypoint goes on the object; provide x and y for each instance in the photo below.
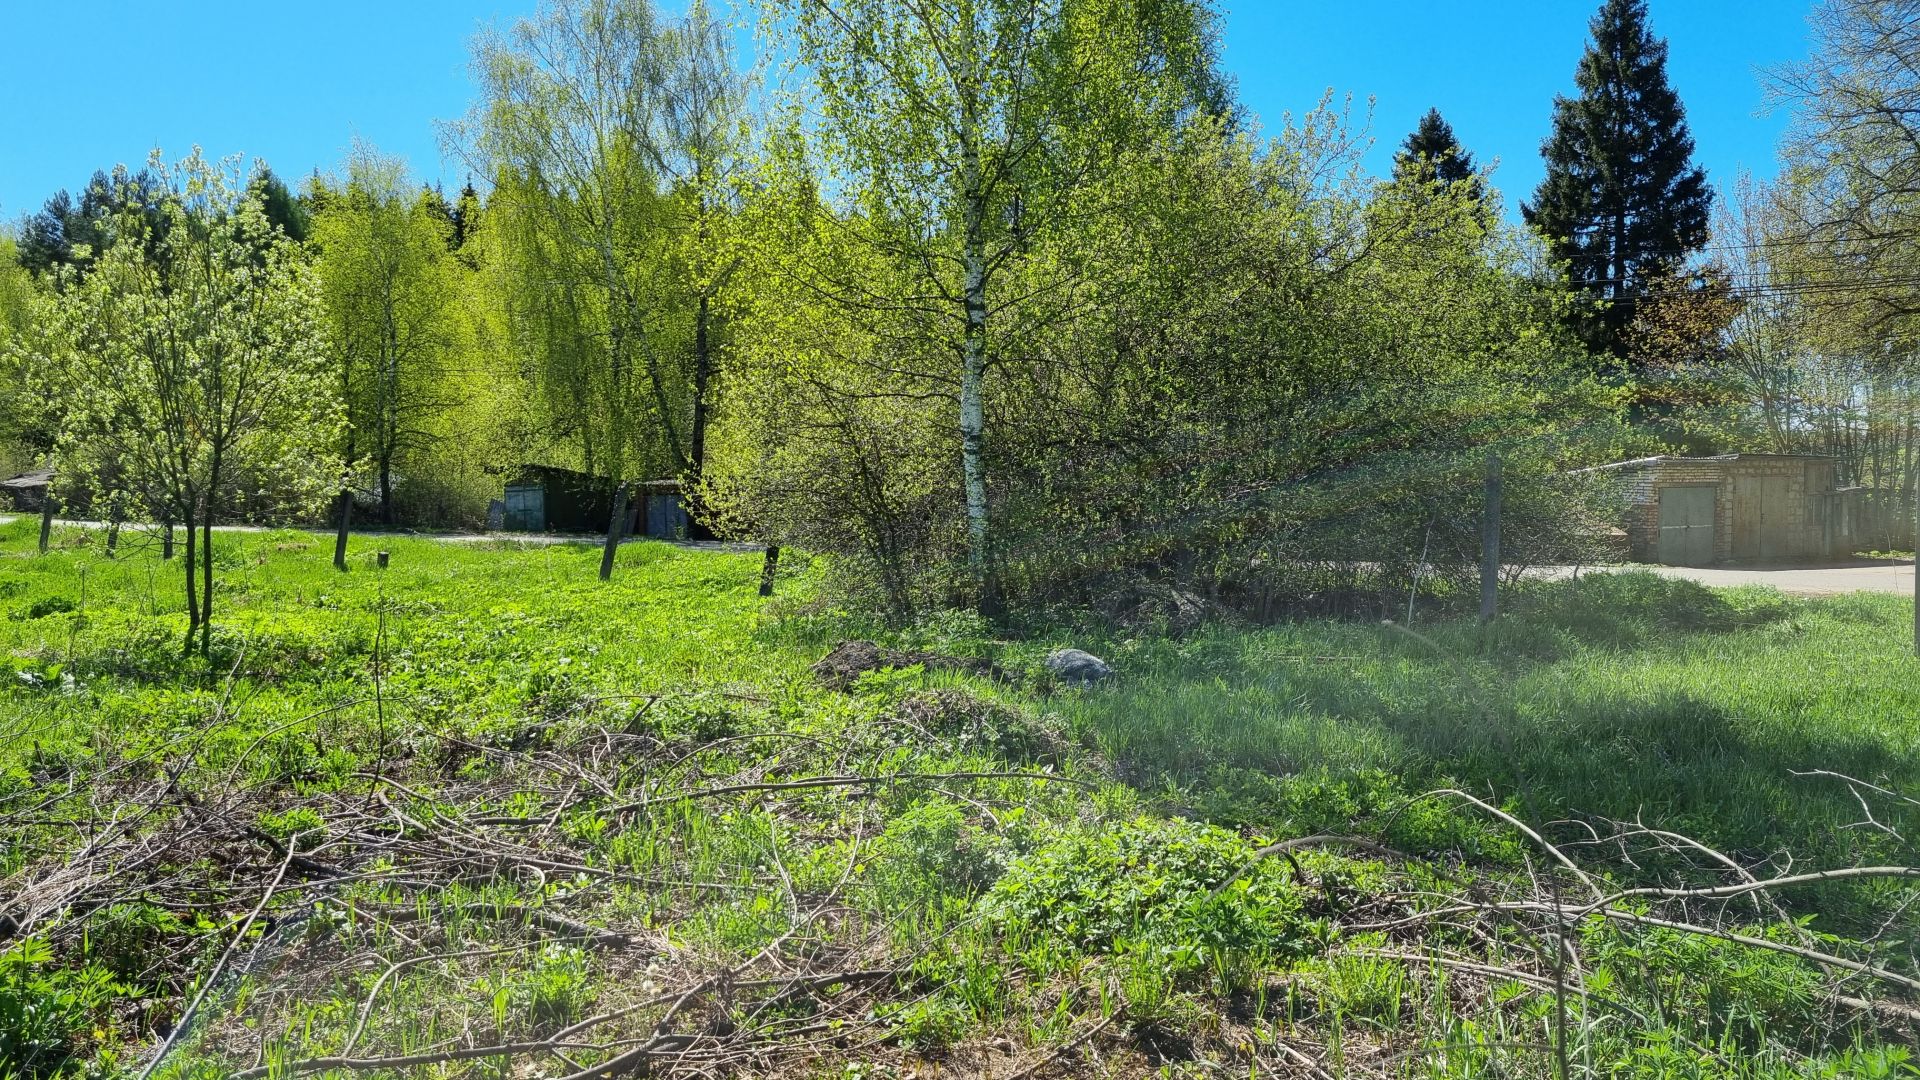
(768, 569)
(343, 506)
(46, 519)
(616, 531)
(1490, 543)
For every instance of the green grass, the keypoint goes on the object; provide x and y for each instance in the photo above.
(502, 798)
(1623, 697)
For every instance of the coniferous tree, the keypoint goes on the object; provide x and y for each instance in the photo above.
(44, 243)
(284, 211)
(1622, 201)
(69, 233)
(466, 215)
(1433, 153)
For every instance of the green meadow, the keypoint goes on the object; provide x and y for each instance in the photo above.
(480, 814)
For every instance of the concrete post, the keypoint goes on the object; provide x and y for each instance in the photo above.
(1490, 543)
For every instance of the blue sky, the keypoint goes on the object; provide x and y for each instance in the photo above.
(85, 86)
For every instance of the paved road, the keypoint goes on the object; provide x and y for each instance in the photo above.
(1876, 576)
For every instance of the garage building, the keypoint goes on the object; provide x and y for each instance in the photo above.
(1734, 508)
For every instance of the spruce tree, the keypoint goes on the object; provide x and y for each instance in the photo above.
(1432, 153)
(1622, 201)
(284, 211)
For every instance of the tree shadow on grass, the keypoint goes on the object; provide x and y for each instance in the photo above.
(1636, 609)
(1624, 697)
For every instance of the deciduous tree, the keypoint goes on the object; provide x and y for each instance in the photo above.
(383, 266)
(192, 366)
(965, 145)
(1853, 162)
(571, 128)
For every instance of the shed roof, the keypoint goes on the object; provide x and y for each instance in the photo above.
(1645, 462)
(35, 478)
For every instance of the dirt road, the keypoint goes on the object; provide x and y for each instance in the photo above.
(1884, 576)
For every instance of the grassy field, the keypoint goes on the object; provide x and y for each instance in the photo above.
(482, 815)
(1615, 698)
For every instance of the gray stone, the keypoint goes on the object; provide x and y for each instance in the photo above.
(1077, 668)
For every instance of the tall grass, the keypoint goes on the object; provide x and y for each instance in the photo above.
(1625, 696)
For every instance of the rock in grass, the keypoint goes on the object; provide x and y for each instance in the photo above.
(1077, 668)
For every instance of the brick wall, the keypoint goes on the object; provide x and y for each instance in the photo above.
(1795, 522)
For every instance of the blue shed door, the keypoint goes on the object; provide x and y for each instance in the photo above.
(526, 508)
(665, 518)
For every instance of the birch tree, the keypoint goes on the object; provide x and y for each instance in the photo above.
(967, 142)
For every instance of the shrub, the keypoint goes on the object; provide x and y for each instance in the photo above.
(930, 852)
(1190, 894)
(47, 605)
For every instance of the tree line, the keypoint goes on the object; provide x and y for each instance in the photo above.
(1005, 304)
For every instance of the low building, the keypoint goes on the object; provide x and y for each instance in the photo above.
(26, 492)
(543, 498)
(662, 513)
(1734, 508)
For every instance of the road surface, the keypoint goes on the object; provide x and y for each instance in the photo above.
(1888, 576)
(1885, 576)
(529, 539)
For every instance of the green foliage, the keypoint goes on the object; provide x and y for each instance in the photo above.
(131, 940)
(611, 135)
(1717, 990)
(1015, 909)
(287, 825)
(45, 606)
(385, 276)
(1622, 200)
(1190, 897)
(930, 856)
(185, 370)
(45, 1009)
(1701, 704)
(1259, 421)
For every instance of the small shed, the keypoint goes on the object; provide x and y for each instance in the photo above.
(543, 498)
(26, 492)
(1741, 508)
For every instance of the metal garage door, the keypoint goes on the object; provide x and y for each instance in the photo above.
(1764, 524)
(1686, 525)
(666, 519)
(526, 508)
